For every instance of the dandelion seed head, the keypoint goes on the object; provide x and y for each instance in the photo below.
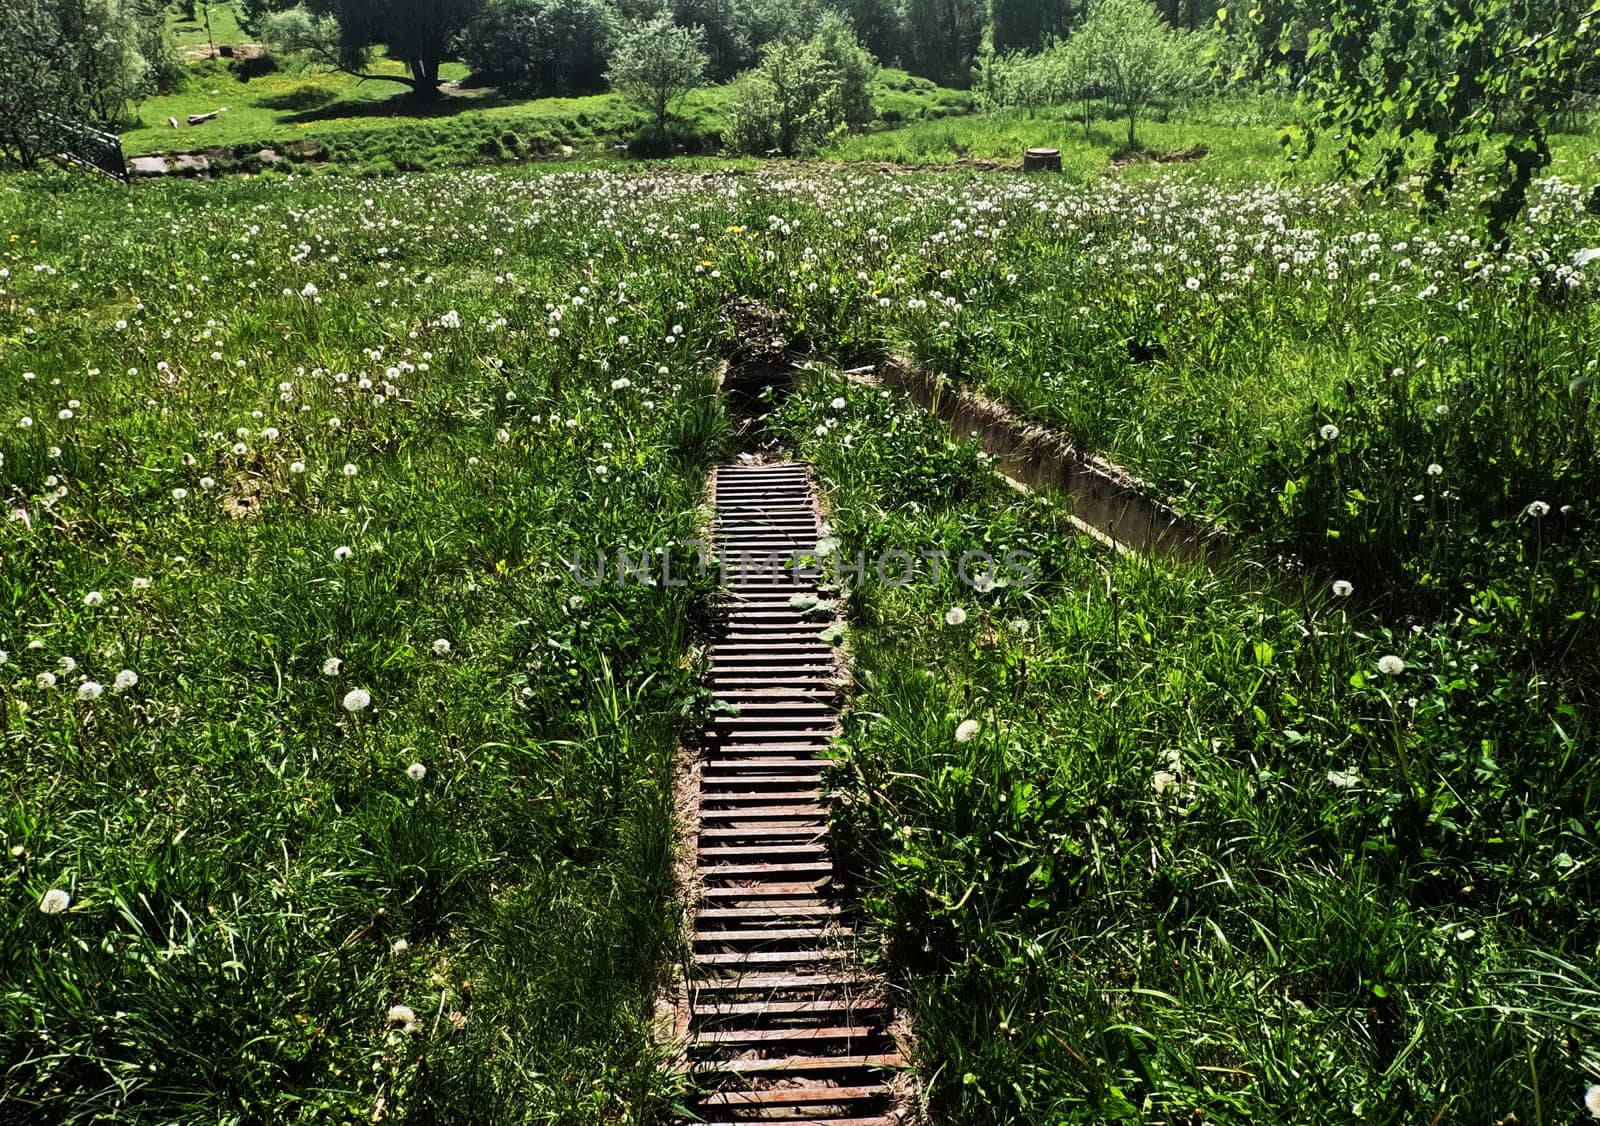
(967, 730)
(416, 772)
(403, 1017)
(343, 552)
(441, 647)
(1538, 509)
(90, 690)
(332, 666)
(93, 598)
(1435, 469)
(1391, 665)
(1342, 588)
(45, 680)
(1329, 432)
(356, 700)
(955, 616)
(55, 901)
(125, 680)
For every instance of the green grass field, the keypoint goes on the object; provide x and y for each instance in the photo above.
(332, 796)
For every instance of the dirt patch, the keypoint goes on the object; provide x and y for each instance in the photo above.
(1172, 156)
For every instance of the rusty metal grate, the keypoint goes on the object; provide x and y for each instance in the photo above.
(784, 1025)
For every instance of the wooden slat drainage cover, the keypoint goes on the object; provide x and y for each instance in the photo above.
(783, 1025)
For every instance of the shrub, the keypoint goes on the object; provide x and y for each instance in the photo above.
(802, 93)
(542, 46)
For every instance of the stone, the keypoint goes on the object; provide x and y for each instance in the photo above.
(147, 166)
(190, 164)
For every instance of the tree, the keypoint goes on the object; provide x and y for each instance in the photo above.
(65, 63)
(1134, 56)
(541, 46)
(36, 87)
(657, 63)
(340, 34)
(1434, 87)
(803, 92)
(1026, 25)
(942, 38)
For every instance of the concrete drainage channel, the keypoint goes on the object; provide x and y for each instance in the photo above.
(783, 1024)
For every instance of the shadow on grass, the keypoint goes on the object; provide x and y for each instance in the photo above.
(401, 105)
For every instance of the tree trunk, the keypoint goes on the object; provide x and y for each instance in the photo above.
(1133, 115)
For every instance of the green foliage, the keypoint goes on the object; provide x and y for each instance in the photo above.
(1201, 858)
(803, 93)
(942, 38)
(656, 63)
(541, 47)
(1452, 93)
(1134, 56)
(1027, 25)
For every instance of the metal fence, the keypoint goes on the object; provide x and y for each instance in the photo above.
(88, 148)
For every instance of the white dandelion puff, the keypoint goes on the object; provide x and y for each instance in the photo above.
(93, 598)
(125, 680)
(55, 901)
(180, 494)
(1435, 469)
(441, 647)
(955, 616)
(1538, 509)
(297, 467)
(1342, 588)
(90, 690)
(967, 730)
(45, 680)
(837, 404)
(399, 946)
(343, 552)
(1390, 665)
(350, 470)
(1329, 432)
(332, 666)
(357, 699)
(416, 772)
(402, 1017)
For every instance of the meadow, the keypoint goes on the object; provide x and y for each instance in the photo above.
(331, 796)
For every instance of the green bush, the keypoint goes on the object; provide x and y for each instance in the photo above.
(803, 93)
(542, 47)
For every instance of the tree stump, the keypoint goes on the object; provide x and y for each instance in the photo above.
(1041, 160)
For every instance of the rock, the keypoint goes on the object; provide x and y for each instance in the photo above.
(147, 166)
(269, 156)
(190, 164)
(1041, 160)
(567, 150)
(172, 121)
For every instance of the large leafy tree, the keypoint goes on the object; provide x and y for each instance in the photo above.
(1026, 25)
(942, 37)
(1439, 89)
(341, 34)
(542, 46)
